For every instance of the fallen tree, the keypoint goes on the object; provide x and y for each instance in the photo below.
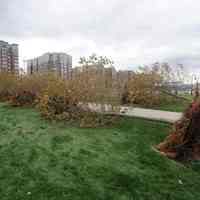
(183, 143)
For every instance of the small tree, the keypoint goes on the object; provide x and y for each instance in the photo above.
(143, 89)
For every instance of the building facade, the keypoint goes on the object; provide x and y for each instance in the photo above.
(60, 63)
(9, 57)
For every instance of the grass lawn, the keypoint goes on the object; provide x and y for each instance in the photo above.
(53, 161)
(175, 106)
(179, 106)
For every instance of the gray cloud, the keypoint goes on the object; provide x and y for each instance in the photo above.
(133, 32)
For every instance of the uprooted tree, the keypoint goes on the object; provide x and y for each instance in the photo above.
(183, 144)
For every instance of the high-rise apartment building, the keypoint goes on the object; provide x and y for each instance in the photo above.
(60, 63)
(9, 58)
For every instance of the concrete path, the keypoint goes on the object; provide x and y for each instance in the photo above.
(151, 114)
(158, 115)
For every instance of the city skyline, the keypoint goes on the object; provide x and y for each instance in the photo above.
(23, 62)
(131, 32)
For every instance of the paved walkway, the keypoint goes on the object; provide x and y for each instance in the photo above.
(151, 114)
(158, 115)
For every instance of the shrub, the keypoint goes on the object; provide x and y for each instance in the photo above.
(57, 98)
(28, 89)
(61, 100)
(8, 84)
(146, 89)
(22, 98)
(143, 89)
(93, 119)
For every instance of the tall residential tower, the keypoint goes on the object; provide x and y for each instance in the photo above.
(9, 58)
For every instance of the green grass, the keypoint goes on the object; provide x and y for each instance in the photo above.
(53, 161)
(174, 106)
(179, 106)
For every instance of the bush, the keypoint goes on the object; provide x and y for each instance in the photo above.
(28, 89)
(146, 89)
(61, 101)
(22, 98)
(8, 84)
(143, 89)
(58, 99)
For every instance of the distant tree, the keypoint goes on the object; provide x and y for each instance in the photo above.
(95, 60)
(180, 73)
(168, 73)
(162, 69)
(151, 84)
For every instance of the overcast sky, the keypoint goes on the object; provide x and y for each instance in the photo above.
(132, 32)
